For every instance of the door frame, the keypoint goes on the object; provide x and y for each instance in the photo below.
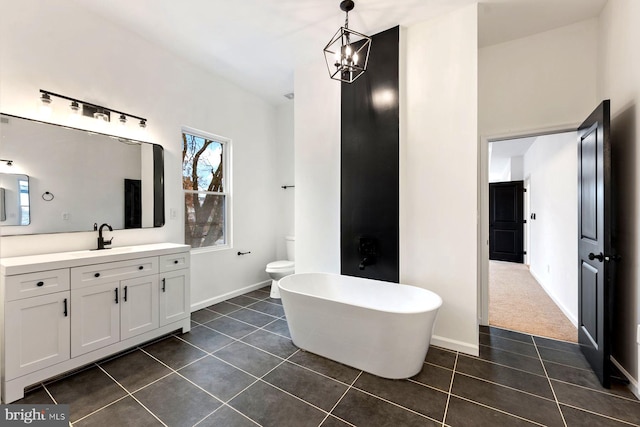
(527, 217)
(483, 205)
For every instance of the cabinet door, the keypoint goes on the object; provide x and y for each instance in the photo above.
(139, 306)
(175, 296)
(36, 333)
(95, 317)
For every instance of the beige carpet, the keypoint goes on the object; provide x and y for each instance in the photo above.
(518, 302)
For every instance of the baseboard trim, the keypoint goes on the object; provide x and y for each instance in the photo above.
(206, 303)
(562, 308)
(633, 383)
(455, 345)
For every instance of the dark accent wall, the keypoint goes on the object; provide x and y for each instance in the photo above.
(369, 219)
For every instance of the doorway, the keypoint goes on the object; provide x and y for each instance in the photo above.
(540, 295)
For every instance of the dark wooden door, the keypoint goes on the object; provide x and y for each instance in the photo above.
(595, 275)
(506, 231)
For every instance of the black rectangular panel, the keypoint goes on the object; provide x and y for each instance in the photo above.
(132, 203)
(370, 194)
(158, 186)
(589, 302)
(589, 173)
(506, 241)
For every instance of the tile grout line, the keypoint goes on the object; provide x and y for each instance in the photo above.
(510, 367)
(544, 368)
(399, 405)
(224, 405)
(599, 414)
(55, 402)
(453, 376)
(533, 336)
(530, 357)
(340, 400)
(605, 393)
(502, 411)
(319, 373)
(507, 387)
(430, 387)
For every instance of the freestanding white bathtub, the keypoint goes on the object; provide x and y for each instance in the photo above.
(379, 327)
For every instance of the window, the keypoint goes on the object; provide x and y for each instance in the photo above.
(206, 184)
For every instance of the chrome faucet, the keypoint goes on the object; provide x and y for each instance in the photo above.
(101, 241)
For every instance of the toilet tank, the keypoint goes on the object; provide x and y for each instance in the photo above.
(290, 241)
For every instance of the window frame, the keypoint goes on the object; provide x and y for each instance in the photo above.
(227, 187)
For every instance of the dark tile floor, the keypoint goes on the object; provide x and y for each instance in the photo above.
(238, 367)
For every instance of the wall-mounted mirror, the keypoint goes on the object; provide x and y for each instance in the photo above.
(75, 178)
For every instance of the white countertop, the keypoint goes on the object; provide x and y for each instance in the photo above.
(32, 263)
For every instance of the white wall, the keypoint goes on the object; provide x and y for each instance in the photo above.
(619, 80)
(48, 45)
(517, 168)
(497, 173)
(438, 230)
(536, 82)
(317, 169)
(285, 163)
(551, 165)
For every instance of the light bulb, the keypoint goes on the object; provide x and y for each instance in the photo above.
(347, 51)
(45, 105)
(101, 115)
(355, 59)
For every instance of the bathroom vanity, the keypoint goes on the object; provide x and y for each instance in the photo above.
(64, 310)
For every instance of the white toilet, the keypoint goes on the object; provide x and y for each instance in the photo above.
(279, 269)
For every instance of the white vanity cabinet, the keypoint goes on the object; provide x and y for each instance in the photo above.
(112, 301)
(175, 299)
(63, 311)
(37, 321)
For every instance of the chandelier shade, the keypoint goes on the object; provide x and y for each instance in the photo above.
(347, 53)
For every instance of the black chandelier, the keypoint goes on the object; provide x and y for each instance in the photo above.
(347, 53)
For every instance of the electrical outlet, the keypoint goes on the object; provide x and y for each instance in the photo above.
(173, 214)
(66, 216)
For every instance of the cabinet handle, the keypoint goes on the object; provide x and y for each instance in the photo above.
(116, 295)
(40, 284)
(125, 293)
(141, 267)
(164, 285)
(175, 262)
(66, 312)
(96, 275)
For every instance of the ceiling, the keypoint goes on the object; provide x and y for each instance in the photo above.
(257, 43)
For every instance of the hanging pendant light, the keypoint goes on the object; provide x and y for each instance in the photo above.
(347, 53)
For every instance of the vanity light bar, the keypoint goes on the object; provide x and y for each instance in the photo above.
(92, 110)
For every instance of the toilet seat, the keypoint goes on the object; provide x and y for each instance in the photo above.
(280, 266)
